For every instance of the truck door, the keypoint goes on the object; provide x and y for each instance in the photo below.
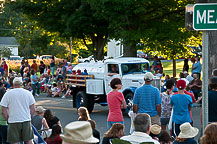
(111, 71)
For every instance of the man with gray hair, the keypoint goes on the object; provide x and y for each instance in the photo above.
(147, 99)
(142, 124)
(17, 109)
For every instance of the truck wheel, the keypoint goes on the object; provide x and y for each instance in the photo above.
(129, 101)
(82, 100)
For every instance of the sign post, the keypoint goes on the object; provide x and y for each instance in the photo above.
(205, 18)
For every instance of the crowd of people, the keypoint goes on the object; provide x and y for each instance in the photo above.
(156, 117)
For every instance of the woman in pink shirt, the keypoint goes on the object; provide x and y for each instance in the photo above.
(116, 102)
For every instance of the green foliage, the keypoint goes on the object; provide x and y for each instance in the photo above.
(56, 49)
(5, 51)
(152, 25)
(33, 40)
(84, 53)
(70, 19)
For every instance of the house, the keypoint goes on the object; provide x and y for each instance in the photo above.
(9, 42)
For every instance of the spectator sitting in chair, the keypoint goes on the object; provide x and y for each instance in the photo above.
(38, 121)
(196, 85)
(142, 125)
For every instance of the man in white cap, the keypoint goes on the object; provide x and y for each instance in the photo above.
(147, 99)
(17, 109)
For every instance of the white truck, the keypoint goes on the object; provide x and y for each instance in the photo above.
(93, 88)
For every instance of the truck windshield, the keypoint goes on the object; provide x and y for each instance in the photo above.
(135, 68)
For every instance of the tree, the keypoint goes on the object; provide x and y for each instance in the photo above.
(70, 19)
(153, 22)
(33, 40)
(5, 52)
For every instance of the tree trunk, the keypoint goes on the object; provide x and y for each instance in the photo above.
(174, 67)
(130, 50)
(99, 43)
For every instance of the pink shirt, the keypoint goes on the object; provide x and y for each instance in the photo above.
(114, 100)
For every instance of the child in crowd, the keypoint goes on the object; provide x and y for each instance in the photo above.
(52, 90)
(96, 133)
(48, 70)
(58, 70)
(83, 114)
(155, 131)
(28, 86)
(25, 79)
(165, 138)
(69, 69)
(67, 93)
(58, 91)
(132, 115)
(116, 131)
(55, 135)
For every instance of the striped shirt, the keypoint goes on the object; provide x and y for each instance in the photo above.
(146, 98)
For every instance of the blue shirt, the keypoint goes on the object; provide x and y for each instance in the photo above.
(146, 98)
(196, 68)
(34, 77)
(180, 104)
(2, 71)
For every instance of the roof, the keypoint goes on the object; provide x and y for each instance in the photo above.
(126, 60)
(8, 41)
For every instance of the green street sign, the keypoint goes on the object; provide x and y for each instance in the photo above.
(205, 16)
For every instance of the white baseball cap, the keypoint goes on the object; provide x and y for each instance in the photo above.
(148, 76)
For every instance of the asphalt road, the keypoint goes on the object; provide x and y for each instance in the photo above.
(62, 108)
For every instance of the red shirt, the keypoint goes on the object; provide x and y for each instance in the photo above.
(34, 66)
(5, 67)
(114, 99)
(48, 71)
(54, 140)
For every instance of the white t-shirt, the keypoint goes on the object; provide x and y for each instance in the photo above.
(18, 102)
(139, 137)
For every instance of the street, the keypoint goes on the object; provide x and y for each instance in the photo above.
(62, 108)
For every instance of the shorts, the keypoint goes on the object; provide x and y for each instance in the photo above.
(164, 121)
(110, 123)
(21, 131)
(155, 120)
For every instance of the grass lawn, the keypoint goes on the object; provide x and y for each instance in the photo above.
(168, 67)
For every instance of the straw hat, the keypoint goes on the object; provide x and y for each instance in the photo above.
(155, 129)
(78, 132)
(187, 131)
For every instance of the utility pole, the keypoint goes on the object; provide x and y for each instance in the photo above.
(70, 49)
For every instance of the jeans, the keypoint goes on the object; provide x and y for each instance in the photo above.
(110, 123)
(52, 70)
(196, 93)
(34, 87)
(3, 134)
(175, 129)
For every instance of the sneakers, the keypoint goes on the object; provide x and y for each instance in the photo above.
(63, 97)
(37, 95)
